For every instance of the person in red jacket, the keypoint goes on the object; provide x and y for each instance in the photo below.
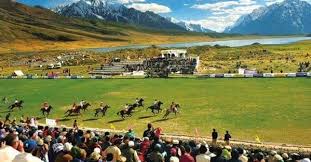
(186, 157)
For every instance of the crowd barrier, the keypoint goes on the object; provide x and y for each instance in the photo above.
(264, 75)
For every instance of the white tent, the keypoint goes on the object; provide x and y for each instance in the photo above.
(18, 73)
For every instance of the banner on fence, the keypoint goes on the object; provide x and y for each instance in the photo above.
(50, 122)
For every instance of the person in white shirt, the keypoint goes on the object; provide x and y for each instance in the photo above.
(203, 157)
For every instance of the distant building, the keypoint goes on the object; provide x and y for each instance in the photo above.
(246, 71)
(174, 53)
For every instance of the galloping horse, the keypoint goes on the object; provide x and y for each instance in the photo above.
(47, 111)
(84, 107)
(101, 110)
(156, 107)
(140, 103)
(19, 105)
(174, 110)
(127, 112)
(77, 110)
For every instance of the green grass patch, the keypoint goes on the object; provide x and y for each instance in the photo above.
(277, 110)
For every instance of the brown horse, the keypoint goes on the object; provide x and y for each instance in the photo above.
(101, 110)
(47, 111)
(19, 105)
(125, 112)
(77, 110)
(84, 107)
(174, 110)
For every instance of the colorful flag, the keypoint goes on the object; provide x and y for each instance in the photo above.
(112, 127)
(257, 139)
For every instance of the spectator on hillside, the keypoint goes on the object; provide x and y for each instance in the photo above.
(241, 155)
(186, 157)
(218, 157)
(227, 138)
(234, 156)
(149, 132)
(129, 153)
(214, 137)
(173, 157)
(155, 155)
(203, 157)
(130, 133)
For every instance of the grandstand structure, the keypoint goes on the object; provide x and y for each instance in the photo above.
(170, 61)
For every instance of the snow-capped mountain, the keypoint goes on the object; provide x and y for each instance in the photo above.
(288, 17)
(189, 26)
(115, 12)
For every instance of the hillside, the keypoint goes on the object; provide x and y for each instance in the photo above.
(116, 12)
(288, 17)
(25, 28)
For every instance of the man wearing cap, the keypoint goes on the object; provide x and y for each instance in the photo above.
(129, 153)
(31, 144)
(203, 157)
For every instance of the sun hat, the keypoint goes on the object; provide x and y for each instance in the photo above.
(95, 156)
(67, 146)
(30, 145)
(26, 157)
(131, 144)
(175, 142)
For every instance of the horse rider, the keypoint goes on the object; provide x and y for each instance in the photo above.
(74, 106)
(45, 105)
(16, 101)
(126, 107)
(82, 102)
(102, 106)
(137, 101)
(155, 103)
(173, 107)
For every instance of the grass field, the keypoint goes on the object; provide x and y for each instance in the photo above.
(277, 110)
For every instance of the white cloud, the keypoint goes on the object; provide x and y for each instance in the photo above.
(224, 14)
(156, 8)
(130, 1)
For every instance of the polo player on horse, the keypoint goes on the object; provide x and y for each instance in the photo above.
(45, 105)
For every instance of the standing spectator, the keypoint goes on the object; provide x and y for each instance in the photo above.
(203, 157)
(214, 137)
(130, 133)
(129, 153)
(155, 155)
(234, 156)
(114, 150)
(218, 157)
(75, 124)
(227, 138)
(241, 155)
(186, 157)
(174, 157)
(149, 132)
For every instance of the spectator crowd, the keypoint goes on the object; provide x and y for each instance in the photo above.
(29, 143)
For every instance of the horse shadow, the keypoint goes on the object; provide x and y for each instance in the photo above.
(161, 120)
(146, 117)
(91, 119)
(64, 119)
(116, 121)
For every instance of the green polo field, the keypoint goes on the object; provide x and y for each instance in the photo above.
(277, 110)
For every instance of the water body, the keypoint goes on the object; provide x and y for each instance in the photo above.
(230, 43)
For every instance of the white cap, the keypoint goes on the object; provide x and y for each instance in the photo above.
(67, 146)
(131, 144)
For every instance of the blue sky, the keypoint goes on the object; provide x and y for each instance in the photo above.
(213, 14)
